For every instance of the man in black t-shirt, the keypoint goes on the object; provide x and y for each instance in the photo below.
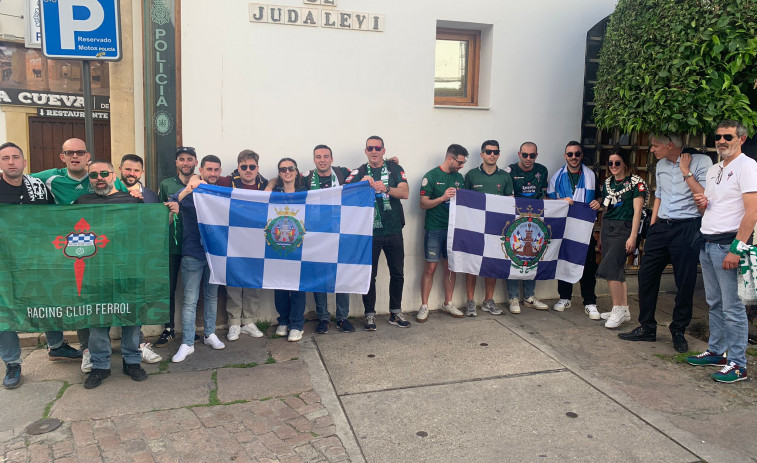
(17, 188)
(390, 183)
(102, 178)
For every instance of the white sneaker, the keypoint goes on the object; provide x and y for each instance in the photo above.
(149, 355)
(534, 303)
(214, 342)
(617, 317)
(452, 310)
(282, 330)
(233, 333)
(86, 361)
(561, 305)
(592, 312)
(252, 330)
(626, 316)
(422, 314)
(294, 335)
(184, 351)
(514, 305)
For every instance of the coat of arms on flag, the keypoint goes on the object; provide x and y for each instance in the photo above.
(319, 240)
(518, 238)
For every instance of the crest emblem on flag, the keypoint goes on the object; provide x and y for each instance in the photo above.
(285, 232)
(525, 240)
(79, 245)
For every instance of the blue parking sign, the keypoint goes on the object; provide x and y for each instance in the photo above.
(81, 29)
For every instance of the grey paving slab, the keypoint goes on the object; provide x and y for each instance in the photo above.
(242, 351)
(274, 380)
(394, 357)
(25, 404)
(541, 417)
(37, 367)
(120, 395)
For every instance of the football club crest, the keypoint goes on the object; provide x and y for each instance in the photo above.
(285, 232)
(80, 245)
(525, 240)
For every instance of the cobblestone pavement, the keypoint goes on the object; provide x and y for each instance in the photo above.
(294, 429)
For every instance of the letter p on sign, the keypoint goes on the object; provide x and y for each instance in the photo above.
(69, 25)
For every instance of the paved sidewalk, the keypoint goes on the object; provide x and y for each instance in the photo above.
(538, 386)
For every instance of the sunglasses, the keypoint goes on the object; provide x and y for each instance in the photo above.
(373, 148)
(576, 154)
(283, 170)
(494, 152)
(728, 137)
(248, 166)
(102, 173)
(186, 149)
(529, 155)
(79, 153)
(614, 163)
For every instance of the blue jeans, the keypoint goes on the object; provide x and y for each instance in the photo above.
(10, 348)
(193, 273)
(342, 306)
(100, 350)
(514, 291)
(435, 245)
(291, 308)
(729, 327)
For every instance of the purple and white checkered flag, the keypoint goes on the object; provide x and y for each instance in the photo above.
(517, 238)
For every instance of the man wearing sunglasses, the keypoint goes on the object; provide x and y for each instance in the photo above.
(186, 161)
(327, 176)
(438, 186)
(673, 237)
(240, 302)
(729, 202)
(102, 180)
(486, 178)
(67, 184)
(529, 181)
(389, 181)
(577, 182)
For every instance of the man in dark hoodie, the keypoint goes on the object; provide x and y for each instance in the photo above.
(240, 302)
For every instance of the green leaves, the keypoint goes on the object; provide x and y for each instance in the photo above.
(678, 66)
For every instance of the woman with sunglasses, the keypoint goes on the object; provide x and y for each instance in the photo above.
(622, 197)
(289, 304)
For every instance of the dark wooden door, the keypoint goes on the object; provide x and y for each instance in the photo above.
(47, 134)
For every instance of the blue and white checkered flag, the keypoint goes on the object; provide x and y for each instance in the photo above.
(518, 238)
(319, 240)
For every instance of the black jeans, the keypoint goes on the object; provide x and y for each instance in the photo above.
(588, 279)
(394, 251)
(174, 265)
(676, 242)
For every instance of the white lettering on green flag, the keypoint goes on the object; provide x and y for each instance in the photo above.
(78, 266)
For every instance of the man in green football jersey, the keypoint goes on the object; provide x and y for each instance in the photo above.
(438, 186)
(486, 178)
(530, 180)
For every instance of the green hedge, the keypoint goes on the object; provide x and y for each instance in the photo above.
(678, 66)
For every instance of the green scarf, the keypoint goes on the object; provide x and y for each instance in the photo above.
(315, 180)
(384, 196)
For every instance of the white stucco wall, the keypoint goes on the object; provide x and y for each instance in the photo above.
(280, 90)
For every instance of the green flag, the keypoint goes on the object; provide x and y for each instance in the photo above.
(71, 267)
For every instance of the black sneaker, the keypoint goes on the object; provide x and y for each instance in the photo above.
(370, 323)
(12, 376)
(398, 320)
(96, 377)
(197, 338)
(679, 342)
(136, 372)
(345, 326)
(64, 352)
(323, 327)
(165, 338)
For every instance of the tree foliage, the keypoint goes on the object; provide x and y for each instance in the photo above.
(676, 66)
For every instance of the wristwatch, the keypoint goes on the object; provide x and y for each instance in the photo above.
(387, 189)
(686, 177)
